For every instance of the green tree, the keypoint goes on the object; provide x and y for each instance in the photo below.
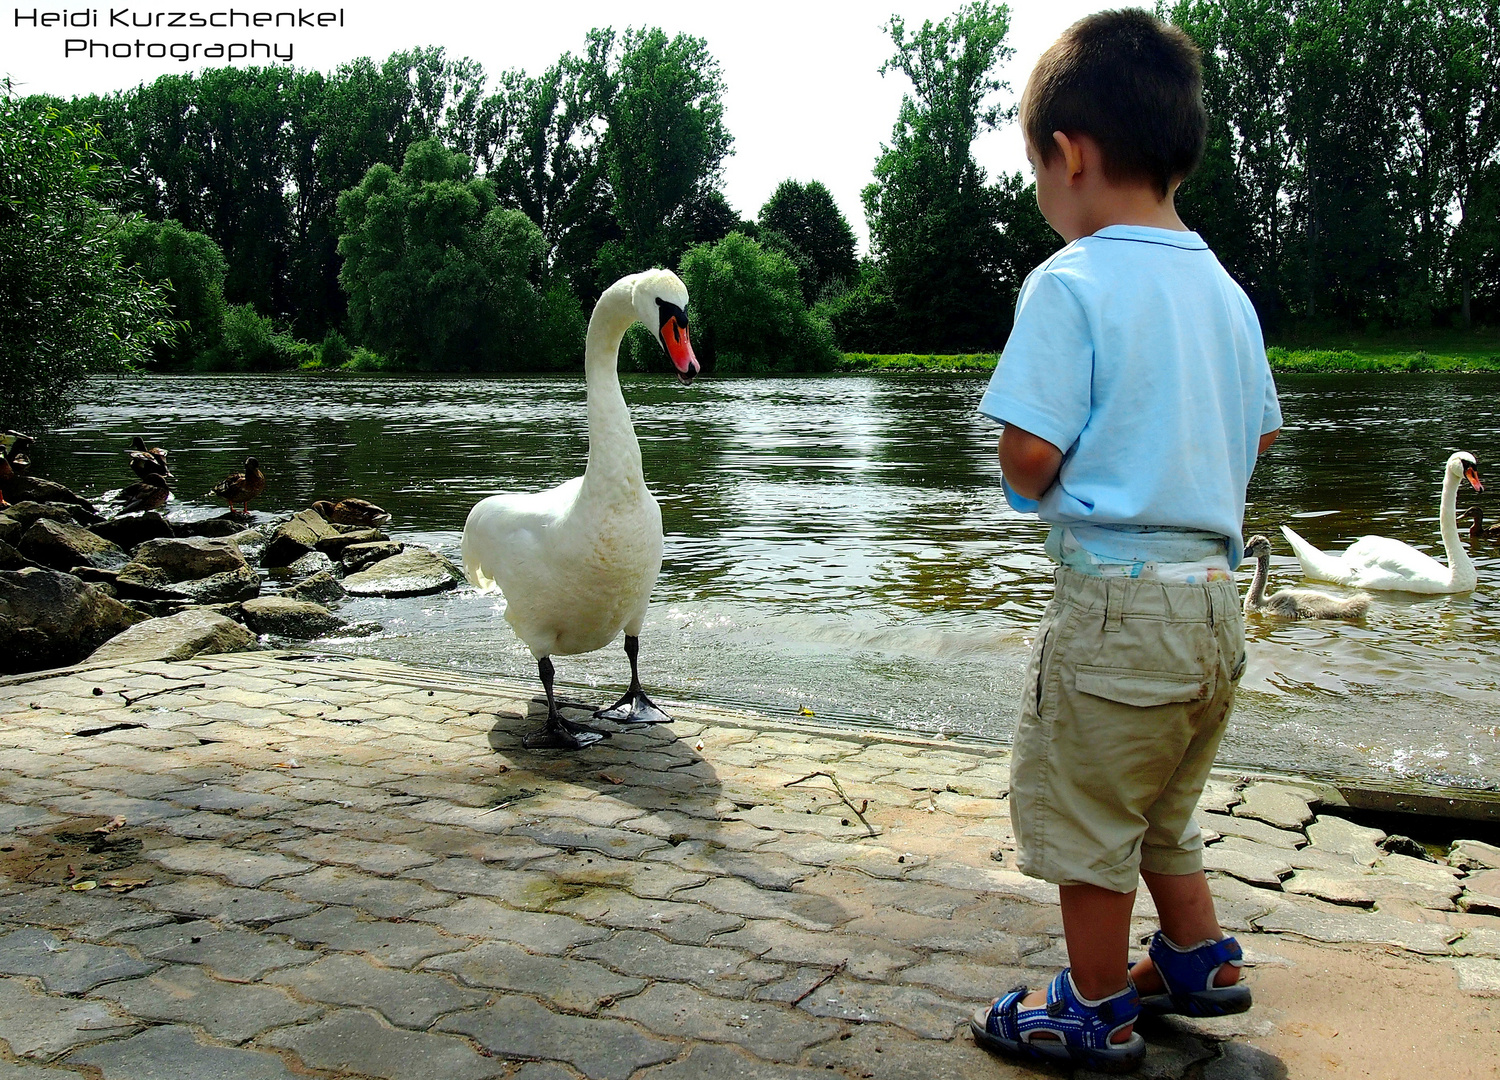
(935, 225)
(189, 268)
(68, 309)
(807, 222)
(440, 277)
(748, 313)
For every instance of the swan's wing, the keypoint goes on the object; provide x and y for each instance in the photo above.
(1379, 558)
(1318, 565)
(504, 533)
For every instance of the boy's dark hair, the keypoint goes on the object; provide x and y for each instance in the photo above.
(1132, 83)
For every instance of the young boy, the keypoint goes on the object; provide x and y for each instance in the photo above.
(1135, 397)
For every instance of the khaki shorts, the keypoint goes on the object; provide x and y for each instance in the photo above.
(1128, 693)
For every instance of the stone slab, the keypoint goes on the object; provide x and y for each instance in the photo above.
(406, 999)
(41, 1026)
(391, 944)
(172, 1053)
(231, 1012)
(65, 966)
(768, 1031)
(1281, 805)
(575, 986)
(518, 1027)
(355, 1042)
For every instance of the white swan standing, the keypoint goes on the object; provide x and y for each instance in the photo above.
(1378, 562)
(577, 563)
(1295, 603)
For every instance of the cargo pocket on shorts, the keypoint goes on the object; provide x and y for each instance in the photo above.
(1142, 689)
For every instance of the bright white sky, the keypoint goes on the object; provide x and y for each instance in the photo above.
(805, 99)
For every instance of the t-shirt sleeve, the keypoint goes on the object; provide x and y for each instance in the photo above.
(1271, 416)
(1044, 380)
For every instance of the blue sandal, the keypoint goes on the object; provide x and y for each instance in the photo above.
(1079, 1033)
(1188, 975)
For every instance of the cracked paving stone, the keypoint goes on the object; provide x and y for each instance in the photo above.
(518, 1027)
(736, 897)
(518, 888)
(571, 985)
(172, 1053)
(13, 817)
(1326, 922)
(1281, 805)
(206, 825)
(687, 924)
(960, 978)
(878, 1052)
(767, 1030)
(542, 933)
(66, 967)
(1340, 837)
(107, 805)
(981, 938)
(246, 803)
(651, 880)
(41, 1026)
(392, 944)
(579, 835)
(208, 899)
(246, 868)
(866, 957)
(727, 1063)
(731, 835)
(229, 1011)
(1258, 864)
(510, 852)
(721, 971)
(405, 998)
(351, 1041)
(233, 955)
(920, 1012)
(764, 869)
(84, 915)
(1251, 829)
(374, 858)
(1477, 976)
(386, 897)
(986, 880)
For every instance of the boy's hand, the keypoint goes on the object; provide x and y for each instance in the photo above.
(1030, 464)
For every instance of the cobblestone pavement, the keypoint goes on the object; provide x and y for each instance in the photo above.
(265, 865)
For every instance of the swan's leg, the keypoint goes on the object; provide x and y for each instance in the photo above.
(635, 707)
(560, 732)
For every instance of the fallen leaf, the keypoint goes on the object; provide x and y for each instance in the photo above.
(115, 823)
(84, 886)
(805, 711)
(610, 778)
(125, 882)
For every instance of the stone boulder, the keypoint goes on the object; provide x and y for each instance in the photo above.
(314, 562)
(199, 569)
(289, 618)
(296, 537)
(63, 545)
(358, 556)
(17, 518)
(321, 588)
(128, 530)
(417, 571)
(50, 619)
(335, 546)
(11, 559)
(35, 489)
(218, 527)
(177, 637)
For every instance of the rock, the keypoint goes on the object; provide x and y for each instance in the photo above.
(1335, 888)
(18, 517)
(321, 588)
(1481, 893)
(11, 559)
(221, 527)
(296, 537)
(1250, 829)
(363, 628)
(49, 619)
(334, 546)
(63, 545)
(1405, 845)
(289, 618)
(1276, 804)
(1258, 864)
(1473, 855)
(314, 562)
(417, 571)
(128, 530)
(35, 489)
(1340, 837)
(177, 637)
(198, 569)
(357, 556)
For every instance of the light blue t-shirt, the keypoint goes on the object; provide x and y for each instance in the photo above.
(1138, 356)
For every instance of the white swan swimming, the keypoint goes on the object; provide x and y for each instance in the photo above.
(576, 564)
(1295, 603)
(1378, 562)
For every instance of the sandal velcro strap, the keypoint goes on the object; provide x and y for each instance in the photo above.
(1065, 1029)
(1186, 971)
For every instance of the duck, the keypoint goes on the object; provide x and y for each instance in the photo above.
(1478, 530)
(576, 564)
(351, 512)
(146, 461)
(13, 466)
(1383, 564)
(1295, 603)
(149, 493)
(241, 487)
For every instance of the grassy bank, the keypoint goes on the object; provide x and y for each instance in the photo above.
(861, 363)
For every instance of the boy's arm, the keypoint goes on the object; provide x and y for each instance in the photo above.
(1030, 464)
(1266, 440)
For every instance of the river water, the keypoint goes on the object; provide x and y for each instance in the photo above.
(840, 544)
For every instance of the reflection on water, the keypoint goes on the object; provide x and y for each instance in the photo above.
(841, 544)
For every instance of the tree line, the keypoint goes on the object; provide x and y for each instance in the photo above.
(414, 213)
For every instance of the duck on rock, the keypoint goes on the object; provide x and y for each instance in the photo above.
(576, 564)
(241, 487)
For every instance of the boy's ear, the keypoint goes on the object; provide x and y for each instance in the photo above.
(1072, 153)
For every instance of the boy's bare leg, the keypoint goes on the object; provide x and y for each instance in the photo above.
(1096, 926)
(1187, 917)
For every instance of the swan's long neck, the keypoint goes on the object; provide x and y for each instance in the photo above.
(1255, 598)
(614, 454)
(1464, 574)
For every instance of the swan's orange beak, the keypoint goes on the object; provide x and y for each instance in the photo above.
(674, 335)
(1471, 474)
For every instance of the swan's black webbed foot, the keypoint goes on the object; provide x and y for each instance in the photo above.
(634, 708)
(560, 732)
